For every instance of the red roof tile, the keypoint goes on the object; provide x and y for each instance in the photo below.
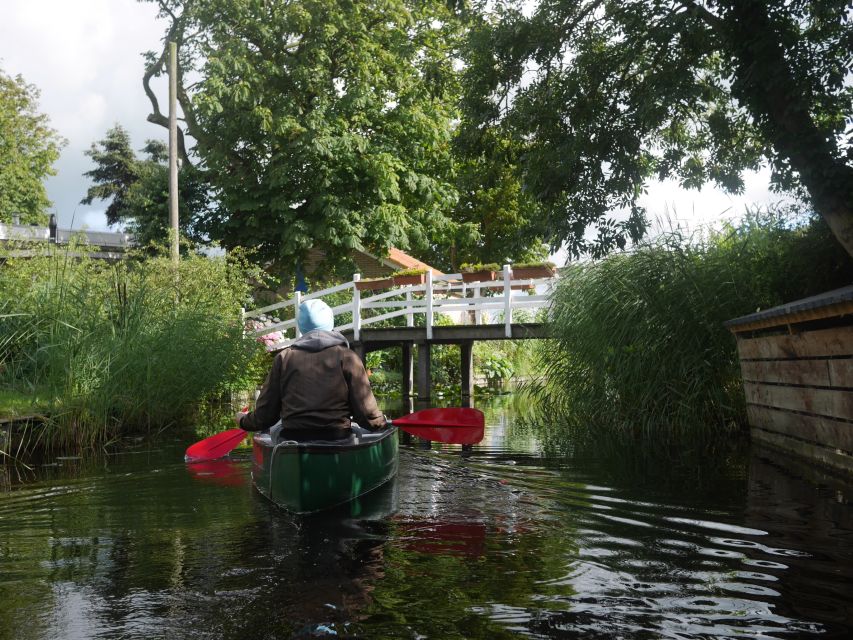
(408, 262)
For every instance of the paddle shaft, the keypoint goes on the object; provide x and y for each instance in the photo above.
(451, 425)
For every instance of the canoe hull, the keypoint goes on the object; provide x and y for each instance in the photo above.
(306, 477)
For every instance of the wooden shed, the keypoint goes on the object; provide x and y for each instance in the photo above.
(797, 366)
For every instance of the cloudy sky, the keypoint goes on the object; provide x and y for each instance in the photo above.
(85, 57)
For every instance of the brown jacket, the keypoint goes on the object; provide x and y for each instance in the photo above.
(316, 382)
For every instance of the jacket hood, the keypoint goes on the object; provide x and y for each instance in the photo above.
(319, 339)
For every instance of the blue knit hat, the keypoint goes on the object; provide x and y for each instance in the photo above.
(315, 314)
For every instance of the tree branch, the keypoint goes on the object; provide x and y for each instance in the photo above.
(704, 15)
(175, 33)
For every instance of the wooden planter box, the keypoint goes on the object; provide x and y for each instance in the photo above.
(797, 367)
(478, 276)
(373, 285)
(525, 273)
(418, 278)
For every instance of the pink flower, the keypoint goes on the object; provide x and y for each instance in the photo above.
(267, 339)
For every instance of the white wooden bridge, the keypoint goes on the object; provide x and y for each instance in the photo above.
(443, 309)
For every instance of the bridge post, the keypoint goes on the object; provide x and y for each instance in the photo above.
(429, 301)
(360, 351)
(424, 370)
(478, 314)
(407, 369)
(467, 351)
(297, 300)
(507, 301)
(356, 308)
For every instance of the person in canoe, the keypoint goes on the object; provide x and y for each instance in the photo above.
(315, 385)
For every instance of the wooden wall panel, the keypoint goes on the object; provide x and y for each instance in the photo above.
(801, 372)
(834, 403)
(841, 373)
(828, 432)
(824, 455)
(812, 344)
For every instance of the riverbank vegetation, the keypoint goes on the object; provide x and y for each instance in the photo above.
(112, 349)
(640, 344)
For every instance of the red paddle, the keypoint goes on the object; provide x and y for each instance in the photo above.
(454, 425)
(215, 446)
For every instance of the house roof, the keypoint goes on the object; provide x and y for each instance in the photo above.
(405, 261)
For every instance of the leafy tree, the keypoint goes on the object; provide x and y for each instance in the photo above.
(138, 188)
(604, 95)
(319, 123)
(28, 149)
(493, 208)
(116, 171)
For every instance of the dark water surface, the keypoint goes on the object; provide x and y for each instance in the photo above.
(504, 542)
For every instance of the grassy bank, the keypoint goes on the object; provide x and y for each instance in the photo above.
(112, 349)
(641, 348)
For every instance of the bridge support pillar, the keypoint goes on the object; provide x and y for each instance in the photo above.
(466, 349)
(424, 370)
(407, 370)
(360, 351)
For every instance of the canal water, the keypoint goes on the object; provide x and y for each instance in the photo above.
(524, 536)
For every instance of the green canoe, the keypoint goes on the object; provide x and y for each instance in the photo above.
(304, 477)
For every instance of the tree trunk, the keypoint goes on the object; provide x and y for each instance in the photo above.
(766, 85)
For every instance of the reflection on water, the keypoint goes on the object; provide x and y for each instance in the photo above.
(502, 541)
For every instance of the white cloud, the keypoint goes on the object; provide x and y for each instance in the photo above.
(669, 205)
(85, 57)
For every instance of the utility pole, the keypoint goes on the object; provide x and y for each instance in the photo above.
(173, 149)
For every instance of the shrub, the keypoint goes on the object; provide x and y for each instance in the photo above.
(409, 272)
(125, 347)
(640, 342)
(473, 268)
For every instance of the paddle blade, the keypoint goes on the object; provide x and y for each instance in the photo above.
(215, 446)
(452, 425)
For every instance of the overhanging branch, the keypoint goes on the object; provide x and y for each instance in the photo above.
(174, 34)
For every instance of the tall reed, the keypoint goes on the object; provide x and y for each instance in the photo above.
(640, 344)
(121, 348)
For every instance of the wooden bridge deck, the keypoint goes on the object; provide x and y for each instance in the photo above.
(381, 338)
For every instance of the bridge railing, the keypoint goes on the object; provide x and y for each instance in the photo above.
(474, 303)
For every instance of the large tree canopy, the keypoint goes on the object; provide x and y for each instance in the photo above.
(28, 149)
(137, 188)
(607, 94)
(319, 123)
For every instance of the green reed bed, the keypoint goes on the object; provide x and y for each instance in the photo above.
(113, 349)
(640, 344)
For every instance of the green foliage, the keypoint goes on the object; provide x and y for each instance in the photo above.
(496, 367)
(320, 124)
(495, 216)
(138, 188)
(640, 347)
(122, 348)
(28, 149)
(521, 355)
(409, 272)
(16, 403)
(601, 96)
(473, 268)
